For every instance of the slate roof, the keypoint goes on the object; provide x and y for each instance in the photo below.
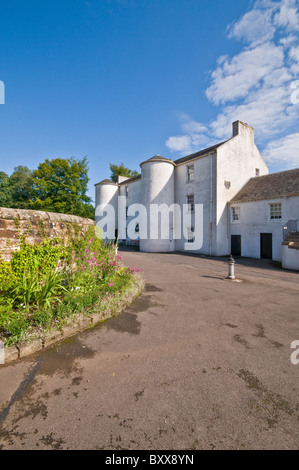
(129, 180)
(273, 186)
(106, 181)
(201, 153)
(157, 158)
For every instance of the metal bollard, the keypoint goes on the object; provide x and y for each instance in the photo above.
(231, 268)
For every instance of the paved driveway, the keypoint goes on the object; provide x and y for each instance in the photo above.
(197, 362)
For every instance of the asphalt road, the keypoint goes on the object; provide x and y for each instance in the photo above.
(197, 362)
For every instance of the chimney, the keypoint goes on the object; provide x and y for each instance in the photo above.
(239, 128)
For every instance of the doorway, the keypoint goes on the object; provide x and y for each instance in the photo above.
(266, 245)
(236, 245)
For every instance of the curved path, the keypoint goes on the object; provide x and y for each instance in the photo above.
(197, 362)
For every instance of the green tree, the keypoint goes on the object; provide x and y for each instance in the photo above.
(15, 190)
(5, 190)
(121, 170)
(21, 187)
(60, 185)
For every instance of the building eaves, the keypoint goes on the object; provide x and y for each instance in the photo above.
(129, 180)
(107, 181)
(200, 154)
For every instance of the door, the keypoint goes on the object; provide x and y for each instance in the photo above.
(266, 245)
(236, 245)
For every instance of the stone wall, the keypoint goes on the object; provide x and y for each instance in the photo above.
(35, 225)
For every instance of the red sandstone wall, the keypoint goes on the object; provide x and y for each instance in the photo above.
(35, 225)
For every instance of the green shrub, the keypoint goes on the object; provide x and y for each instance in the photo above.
(44, 257)
(7, 276)
(47, 282)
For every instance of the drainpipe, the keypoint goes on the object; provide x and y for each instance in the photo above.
(211, 203)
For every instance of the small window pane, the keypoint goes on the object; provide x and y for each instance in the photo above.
(190, 202)
(236, 214)
(275, 211)
(190, 173)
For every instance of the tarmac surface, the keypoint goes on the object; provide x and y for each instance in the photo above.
(196, 362)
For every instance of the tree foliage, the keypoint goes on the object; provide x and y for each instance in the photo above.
(121, 170)
(57, 185)
(60, 185)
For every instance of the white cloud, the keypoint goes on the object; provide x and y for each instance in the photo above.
(294, 53)
(288, 15)
(256, 85)
(284, 150)
(179, 143)
(294, 56)
(189, 125)
(235, 77)
(268, 111)
(288, 40)
(254, 27)
(193, 138)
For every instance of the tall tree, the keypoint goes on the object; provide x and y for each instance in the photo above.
(121, 170)
(15, 190)
(5, 190)
(60, 185)
(21, 187)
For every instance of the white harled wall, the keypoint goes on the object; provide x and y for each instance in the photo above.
(106, 194)
(233, 163)
(237, 161)
(157, 188)
(203, 188)
(255, 219)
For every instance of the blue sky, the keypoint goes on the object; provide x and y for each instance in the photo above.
(122, 80)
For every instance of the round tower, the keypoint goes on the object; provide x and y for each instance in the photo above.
(106, 198)
(157, 184)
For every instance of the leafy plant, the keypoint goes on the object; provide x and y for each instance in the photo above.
(47, 282)
(35, 289)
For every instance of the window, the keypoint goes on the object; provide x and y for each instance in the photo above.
(227, 184)
(275, 211)
(127, 212)
(191, 235)
(236, 214)
(190, 202)
(127, 190)
(190, 173)
(257, 172)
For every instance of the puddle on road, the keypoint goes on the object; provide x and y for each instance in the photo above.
(61, 358)
(126, 322)
(152, 288)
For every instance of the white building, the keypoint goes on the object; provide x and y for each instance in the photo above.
(218, 179)
(263, 214)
